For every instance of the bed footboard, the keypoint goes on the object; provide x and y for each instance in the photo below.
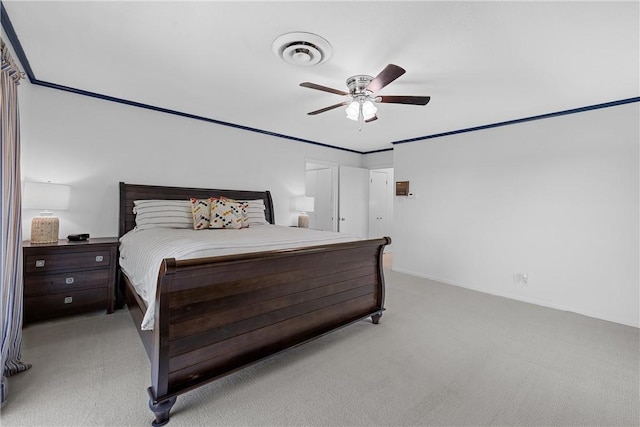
(217, 315)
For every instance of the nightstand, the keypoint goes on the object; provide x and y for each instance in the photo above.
(66, 278)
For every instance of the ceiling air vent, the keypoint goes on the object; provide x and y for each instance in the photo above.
(302, 49)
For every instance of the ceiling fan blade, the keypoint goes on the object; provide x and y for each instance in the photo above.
(374, 118)
(413, 100)
(323, 88)
(386, 76)
(322, 110)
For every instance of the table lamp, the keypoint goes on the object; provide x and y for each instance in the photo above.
(303, 204)
(45, 196)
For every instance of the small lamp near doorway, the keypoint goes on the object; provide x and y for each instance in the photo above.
(46, 197)
(303, 204)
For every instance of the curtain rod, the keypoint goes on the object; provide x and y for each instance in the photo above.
(6, 57)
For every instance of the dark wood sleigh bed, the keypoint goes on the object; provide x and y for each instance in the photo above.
(217, 315)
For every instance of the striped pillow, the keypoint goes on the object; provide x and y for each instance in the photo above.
(255, 211)
(162, 214)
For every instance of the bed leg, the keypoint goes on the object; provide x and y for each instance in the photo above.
(376, 318)
(161, 411)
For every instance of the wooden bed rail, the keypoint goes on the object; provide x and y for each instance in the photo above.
(217, 315)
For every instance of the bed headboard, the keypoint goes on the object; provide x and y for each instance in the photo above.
(131, 192)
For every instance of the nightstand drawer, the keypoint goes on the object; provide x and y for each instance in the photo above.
(46, 263)
(48, 306)
(65, 282)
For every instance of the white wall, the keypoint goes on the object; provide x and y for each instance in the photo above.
(379, 160)
(93, 144)
(555, 198)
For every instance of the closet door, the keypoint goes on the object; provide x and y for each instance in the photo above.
(353, 201)
(319, 186)
(378, 197)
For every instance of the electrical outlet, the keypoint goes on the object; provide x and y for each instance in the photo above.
(521, 279)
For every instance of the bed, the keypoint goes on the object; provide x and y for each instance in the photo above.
(215, 315)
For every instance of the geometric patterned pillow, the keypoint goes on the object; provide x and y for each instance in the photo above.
(225, 214)
(201, 212)
(244, 206)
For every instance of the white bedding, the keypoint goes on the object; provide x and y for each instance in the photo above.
(142, 251)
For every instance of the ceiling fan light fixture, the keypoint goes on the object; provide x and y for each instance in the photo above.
(369, 110)
(362, 90)
(353, 111)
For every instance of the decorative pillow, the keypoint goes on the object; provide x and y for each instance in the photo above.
(244, 206)
(162, 214)
(254, 211)
(201, 212)
(226, 214)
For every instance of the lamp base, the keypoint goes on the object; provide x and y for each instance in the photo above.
(45, 229)
(303, 220)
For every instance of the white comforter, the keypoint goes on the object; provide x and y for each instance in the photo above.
(142, 252)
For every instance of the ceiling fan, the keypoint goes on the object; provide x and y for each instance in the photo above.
(362, 88)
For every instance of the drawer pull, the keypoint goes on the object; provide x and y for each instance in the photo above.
(39, 263)
(99, 258)
(68, 280)
(68, 300)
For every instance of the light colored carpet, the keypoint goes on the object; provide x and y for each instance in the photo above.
(441, 355)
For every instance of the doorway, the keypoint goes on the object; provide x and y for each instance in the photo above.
(363, 197)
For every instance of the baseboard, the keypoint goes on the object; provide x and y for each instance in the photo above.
(542, 303)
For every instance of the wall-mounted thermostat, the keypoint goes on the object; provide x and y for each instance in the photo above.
(402, 188)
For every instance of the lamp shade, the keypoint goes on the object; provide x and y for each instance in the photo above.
(369, 110)
(304, 204)
(46, 196)
(353, 111)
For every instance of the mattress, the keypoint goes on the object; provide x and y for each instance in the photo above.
(142, 251)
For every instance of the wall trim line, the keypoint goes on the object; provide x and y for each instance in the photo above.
(22, 57)
(522, 120)
(182, 114)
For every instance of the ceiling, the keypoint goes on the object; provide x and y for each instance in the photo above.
(481, 62)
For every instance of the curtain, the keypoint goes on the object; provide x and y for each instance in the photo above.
(11, 252)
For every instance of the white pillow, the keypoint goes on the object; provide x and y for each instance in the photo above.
(255, 211)
(162, 214)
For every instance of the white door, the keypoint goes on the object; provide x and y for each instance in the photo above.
(319, 186)
(378, 190)
(353, 201)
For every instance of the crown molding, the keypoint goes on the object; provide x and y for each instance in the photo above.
(22, 57)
